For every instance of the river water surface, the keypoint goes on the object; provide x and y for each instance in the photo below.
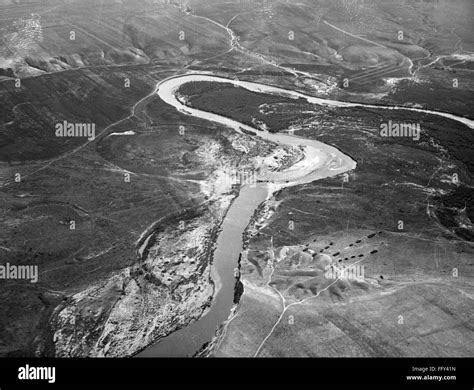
(187, 341)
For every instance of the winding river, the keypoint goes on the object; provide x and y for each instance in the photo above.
(320, 161)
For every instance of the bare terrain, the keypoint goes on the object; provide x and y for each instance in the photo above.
(123, 226)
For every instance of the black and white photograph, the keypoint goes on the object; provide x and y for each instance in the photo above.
(196, 188)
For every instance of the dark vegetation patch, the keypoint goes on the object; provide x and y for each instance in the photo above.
(239, 104)
(82, 96)
(450, 207)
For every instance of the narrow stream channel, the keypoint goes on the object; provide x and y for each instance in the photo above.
(187, 341)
